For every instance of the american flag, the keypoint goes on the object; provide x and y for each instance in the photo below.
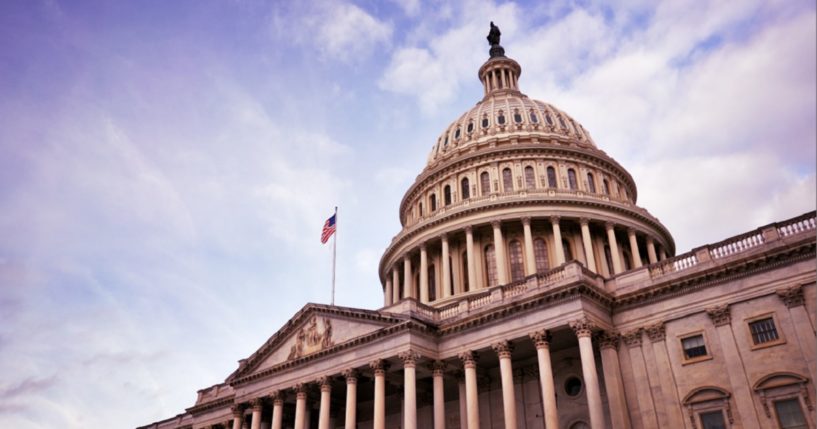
(328, 229)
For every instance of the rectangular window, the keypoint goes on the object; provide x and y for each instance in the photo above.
(789, 414)
(763, 331)
(713, 420)
(694, 346)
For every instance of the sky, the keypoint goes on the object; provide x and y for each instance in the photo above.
(167, 166)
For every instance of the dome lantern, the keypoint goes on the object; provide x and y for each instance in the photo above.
(499, 73)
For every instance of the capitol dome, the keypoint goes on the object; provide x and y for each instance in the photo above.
(514, 188)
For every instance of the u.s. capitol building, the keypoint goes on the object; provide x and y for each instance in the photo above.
(528, 290)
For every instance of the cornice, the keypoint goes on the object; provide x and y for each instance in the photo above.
(207, 406)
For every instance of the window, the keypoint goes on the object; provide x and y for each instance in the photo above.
(420, 206)
(465, 284)
(712, 420)
(500, 119)
(490, 265)
(694, 346)
(763, 331)
(548, 119)
(562, 123)
(507, 180)
(517, 268)
(789, 414)
(465, 190)
(571, 179)
(540, 254)
(530, 178)
(484, 121)
(533, 118)
(551, 177)
(517, 117)
(446, 141)
(457, 134)
(605, 187)
(568, 251)
(432, 283)
(591, 184)
(470, 128)
(433, 202)
(485, 183)
(447, 195)
(573, 386)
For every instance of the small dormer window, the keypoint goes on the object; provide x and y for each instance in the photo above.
(500, 119)
(484, 121)
(533, 118)
(548, 119)
(457, 133)
(446, 142)
(562, 123)
(517, 118)
(470, 128)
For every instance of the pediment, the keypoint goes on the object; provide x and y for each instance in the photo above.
(313, 329)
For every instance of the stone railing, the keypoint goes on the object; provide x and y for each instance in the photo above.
(737, 244)
(796, 225)
(677, 263)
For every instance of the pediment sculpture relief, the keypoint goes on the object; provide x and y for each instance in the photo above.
(311, 338)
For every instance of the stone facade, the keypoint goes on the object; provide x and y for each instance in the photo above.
(527, 290)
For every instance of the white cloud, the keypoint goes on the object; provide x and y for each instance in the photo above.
(409, 7)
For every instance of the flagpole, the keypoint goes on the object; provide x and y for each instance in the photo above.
(334, 253)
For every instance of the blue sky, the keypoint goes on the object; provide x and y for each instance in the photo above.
(167, 166)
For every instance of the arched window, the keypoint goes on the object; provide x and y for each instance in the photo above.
(485, 121)
(465, 285)
(447, 195)
(567, 249)
(562, 123)
(533, 118)
(490, 265)
(551, 177)
(515, 256)
(591, 185)
(465, 189)
(540, 254)
(605, 187)
(530, 178)
(500, 119)
(432, 283)
(548, 119)
(457, 133)
(446, 141)
(507, 180)
(433, 202)
(485, 183)
(571, 179)
(517, 117)
(470, 128)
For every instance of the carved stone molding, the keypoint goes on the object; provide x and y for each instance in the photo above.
(792, 296)
(584, 221)
(325, 383)
(496, 224)
(657, 332)
(526, 220)
(437, 368)
(720, 315)
(582, 327)
(608, 339)
(469, 359)
(257, 404)
(554, 220)
(409, 358)
(300, 390)
(277, 397)
(632, 338)
(238, 410)
(503, 349)
(350, 375)
(379, 366)
(541, 339)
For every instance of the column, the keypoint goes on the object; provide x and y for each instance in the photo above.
(446, 267)
(469, 361)
(530, 259)
(588, 245)
(619, 417)
(648, 416)
(796, 303)
(409, 359)
(238, 415)
(437, 371)
(408, 288)
(469, 250)
(326, 391)
(277, 410)
(611, 238)
(351, 398)
(669, 397)
(300, 406)
(661, 254)
(722, 319)
(542, 341)
(423, 273)
(379, 367)
(257, 408)
(651, 250)
(395, 281)
(462, 400)
(583, 329)
(557, 240)
(503, 349)
(499, 250)
(387, 296)
(634, 248)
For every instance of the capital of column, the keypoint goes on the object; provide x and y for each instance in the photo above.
(257, 404)
(325, 383)
(541, 339)
(437, 368)
(609, 340)
(583, 221)
(238, 410)
(469, 358)
(720, 315)
(630, 231)
(632, 338)
(554, 220)
(350, 375)
(423, 246)
(582, 327)
(526, 221)
(406, 257)
(443, 236)
(469, 229)
(609, 226)
(409, 358)
(379, 366)
(503, 349)
(496, 223)
(792, 296)
(300, 390)
(657, 332)
(277, 397)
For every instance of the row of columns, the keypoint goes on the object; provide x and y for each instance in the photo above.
(468, 389)
(392, 287)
